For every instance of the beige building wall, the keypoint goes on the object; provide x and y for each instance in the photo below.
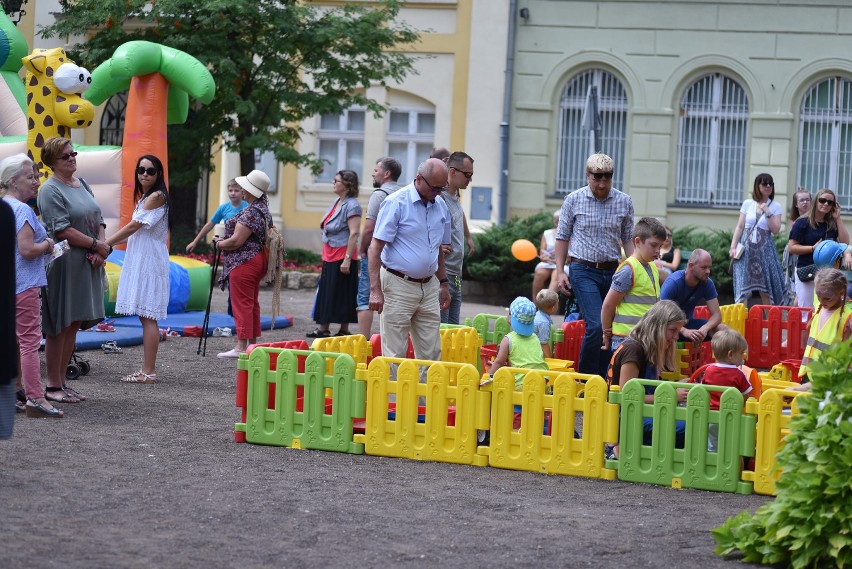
(775, 50)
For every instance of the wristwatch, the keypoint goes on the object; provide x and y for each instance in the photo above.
(442, 281)
(347, 256)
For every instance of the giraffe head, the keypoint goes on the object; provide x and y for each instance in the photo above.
(54, 105)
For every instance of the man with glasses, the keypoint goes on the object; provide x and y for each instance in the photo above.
(460, 167)
(408, 282)
(385, 176)
(595, 222)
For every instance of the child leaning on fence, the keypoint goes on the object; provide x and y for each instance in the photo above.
(832, 320)
(547, 303)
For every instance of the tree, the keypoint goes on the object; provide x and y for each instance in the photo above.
(275, 63)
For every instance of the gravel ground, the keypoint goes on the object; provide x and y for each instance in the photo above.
(149, 476)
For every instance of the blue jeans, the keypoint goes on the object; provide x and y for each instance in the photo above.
(452, 314)
(362, 301)
(590, 287)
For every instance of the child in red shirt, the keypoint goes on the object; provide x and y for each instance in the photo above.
(728, 349)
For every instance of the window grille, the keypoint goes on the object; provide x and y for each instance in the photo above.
(410, 138)
(341, 143)
(825, 138)
(112, 121)
(711, 152)
(573, 145)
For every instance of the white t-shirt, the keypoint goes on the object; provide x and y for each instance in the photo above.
(749, 210)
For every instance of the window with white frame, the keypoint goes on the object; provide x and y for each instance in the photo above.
(341, 143)
(410, 138)
(711, 150)
(825, 138)
(576, 141)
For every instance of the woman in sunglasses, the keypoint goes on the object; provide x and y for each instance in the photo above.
(75, 281)
(143, 288)
(756, 267)
(821, 222)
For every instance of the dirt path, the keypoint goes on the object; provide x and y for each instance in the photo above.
(149, 476)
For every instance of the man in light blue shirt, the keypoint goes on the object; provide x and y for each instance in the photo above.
(408, 282)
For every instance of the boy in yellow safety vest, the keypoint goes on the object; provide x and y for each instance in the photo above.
(635, 284)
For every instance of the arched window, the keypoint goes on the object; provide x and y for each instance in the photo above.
(711, 149)
(410, 136)
(825, 138)
(576, 141)
(341, 143)
(112, 121)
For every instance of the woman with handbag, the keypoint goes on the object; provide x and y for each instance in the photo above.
(756, 267)
(822, 222)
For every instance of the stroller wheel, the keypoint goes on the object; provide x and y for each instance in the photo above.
(85, 368)
(72, 371)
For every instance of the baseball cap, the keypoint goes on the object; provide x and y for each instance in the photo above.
(522, 313)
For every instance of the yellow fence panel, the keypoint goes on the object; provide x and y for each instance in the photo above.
(436, 420)
(355, 345)
(734, 316)
(461, 345)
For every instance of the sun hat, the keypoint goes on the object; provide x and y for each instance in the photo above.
(827, 252)
(522, 313)
(256, 183)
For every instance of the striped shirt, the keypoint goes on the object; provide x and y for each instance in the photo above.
(596, 228)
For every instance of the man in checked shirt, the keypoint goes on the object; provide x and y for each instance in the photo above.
(595, 222)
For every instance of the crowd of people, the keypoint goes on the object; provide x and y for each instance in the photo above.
(405, 264)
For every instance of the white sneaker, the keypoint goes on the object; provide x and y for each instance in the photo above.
(233, 354)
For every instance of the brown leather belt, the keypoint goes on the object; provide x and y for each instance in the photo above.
(607, 265)
(405, 277)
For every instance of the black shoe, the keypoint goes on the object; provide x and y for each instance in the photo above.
(318, 334)
(21, 395)
(39, 411)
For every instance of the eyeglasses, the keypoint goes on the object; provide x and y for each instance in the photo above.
(803, 200)
(431, 187)
(826, 201)
(150, 171)
(337, 181)
(467, 175)
(601, 175)
(68, 155)
(767, 183)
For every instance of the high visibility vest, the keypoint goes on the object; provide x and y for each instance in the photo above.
(639, 299)
(821, 340)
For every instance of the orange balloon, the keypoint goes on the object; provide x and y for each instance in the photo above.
(524, 250)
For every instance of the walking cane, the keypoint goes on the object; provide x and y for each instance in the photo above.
(217, 255)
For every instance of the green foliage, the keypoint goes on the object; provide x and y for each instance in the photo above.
(810, 522)
(303, 257)
(717, 242)
(493, 260)
(275, 62)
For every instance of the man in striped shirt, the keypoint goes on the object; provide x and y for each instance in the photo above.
(595, 222)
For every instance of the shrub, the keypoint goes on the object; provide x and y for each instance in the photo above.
(493, 260)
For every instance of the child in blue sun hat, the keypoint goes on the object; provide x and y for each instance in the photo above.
(521, 346)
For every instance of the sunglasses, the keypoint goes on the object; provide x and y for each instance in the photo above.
(467, 175)
(601, 175)
(68, 155)
(826, 201)
(142, 170)
(767, 183)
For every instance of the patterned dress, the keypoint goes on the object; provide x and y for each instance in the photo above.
(143, 288)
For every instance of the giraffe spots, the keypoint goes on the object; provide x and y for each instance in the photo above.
(49, 71)
(80, 122)
(39, 141)
(30, 123)
(33, 80)
(45, 91)
(48, 120)
(89, 123)
(73, 108)
(29, 98)
(63, 131)
(38, 109)
(60, 99)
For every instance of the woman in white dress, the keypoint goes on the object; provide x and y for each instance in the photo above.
(143, 288)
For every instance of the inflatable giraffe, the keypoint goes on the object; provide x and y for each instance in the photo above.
(54, 105)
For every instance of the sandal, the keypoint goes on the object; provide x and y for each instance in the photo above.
(59, 395)
(139, 377)
(318, 334)
(39, 411)
(110, 347)
(73, 392)
(344, 333)
(20, 407)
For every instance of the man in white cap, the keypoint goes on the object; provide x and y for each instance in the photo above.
(408, 283)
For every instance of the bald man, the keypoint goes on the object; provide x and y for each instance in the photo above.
(693, 286)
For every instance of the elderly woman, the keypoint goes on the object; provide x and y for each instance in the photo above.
(758, 268)
(243, 260)
(75, 281)
(338, 286)
(143, 288)
(20, 183)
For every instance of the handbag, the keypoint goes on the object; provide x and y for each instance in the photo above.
(807, 273)
(738, 251)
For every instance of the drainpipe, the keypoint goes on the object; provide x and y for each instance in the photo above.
(507, 108)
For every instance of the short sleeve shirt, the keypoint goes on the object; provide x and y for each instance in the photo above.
(226, 211)
(803, 234)
(676, 289)
(724, 375)
(542, 326)
(596, 228)
(749, 210)
(29, 273)
(630, 351)
(377, 197)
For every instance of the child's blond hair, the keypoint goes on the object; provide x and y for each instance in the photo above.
(726, 341)
(546, 299)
